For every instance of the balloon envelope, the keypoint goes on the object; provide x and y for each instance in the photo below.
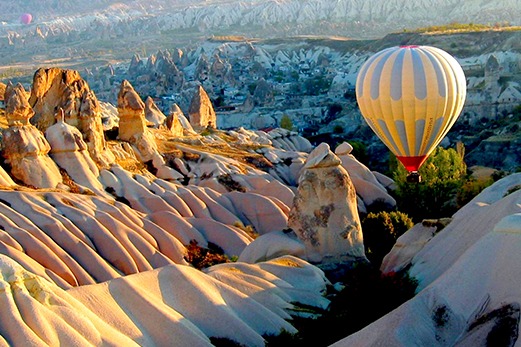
(411, 96)
(26, 18)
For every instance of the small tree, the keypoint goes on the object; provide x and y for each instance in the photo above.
(443, 174)
(286, 123)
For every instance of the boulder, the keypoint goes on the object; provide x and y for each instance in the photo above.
(324, 214)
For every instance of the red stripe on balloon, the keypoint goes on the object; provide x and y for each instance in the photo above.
(412, 163)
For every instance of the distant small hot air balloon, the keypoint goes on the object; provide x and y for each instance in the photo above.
(411, 96)
(26, 18)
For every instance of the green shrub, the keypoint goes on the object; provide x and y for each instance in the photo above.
(286, 122)
(380, 232)
(470, 189)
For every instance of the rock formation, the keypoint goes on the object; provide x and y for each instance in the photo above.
(468, 293)
(70, 152)
(55, 88)
(366, 184)
(203, 68)
(133, 129)
(131, 110)
(17, 107)
(324, 215)
(201, 112)
(173, 124)
(25, 148)
(153, 114)
(175, 112)
(180, 304)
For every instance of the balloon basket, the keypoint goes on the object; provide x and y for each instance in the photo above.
(414, 177)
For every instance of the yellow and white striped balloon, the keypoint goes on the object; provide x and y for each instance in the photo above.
(411, 96)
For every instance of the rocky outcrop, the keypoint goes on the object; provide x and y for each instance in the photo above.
(468, 294)
(133, 129)
(25, 148)
(18, 110)
(202, 68)
(131, 110)
(201, 112)
(175, 111)
(366, 184)
(153, 114)
(324, 215)
(55, 88)
(173, 124)
(70, 152)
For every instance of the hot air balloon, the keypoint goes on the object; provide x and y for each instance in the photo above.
(26, 18)
(411, 96)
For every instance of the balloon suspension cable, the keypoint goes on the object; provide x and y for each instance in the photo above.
(414, 177)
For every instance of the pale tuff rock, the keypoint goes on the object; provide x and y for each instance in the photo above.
(201, 111)
(109, 116)
(32, 295)
(467, 276)
(471, 300)
(241, 302)
(324, 215)
(259, 211)
(69, 151)
(367, 185)
(173, 121)
(175, 111)
(55, 88)
(203, 68)
(131, 111)
(133, 129)
(25, 148)
(136, 65)
(471, 223)
(273, 245)
(289, 140)
(407, 246)
(153, 114)
(17, 108)
(5, 179)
